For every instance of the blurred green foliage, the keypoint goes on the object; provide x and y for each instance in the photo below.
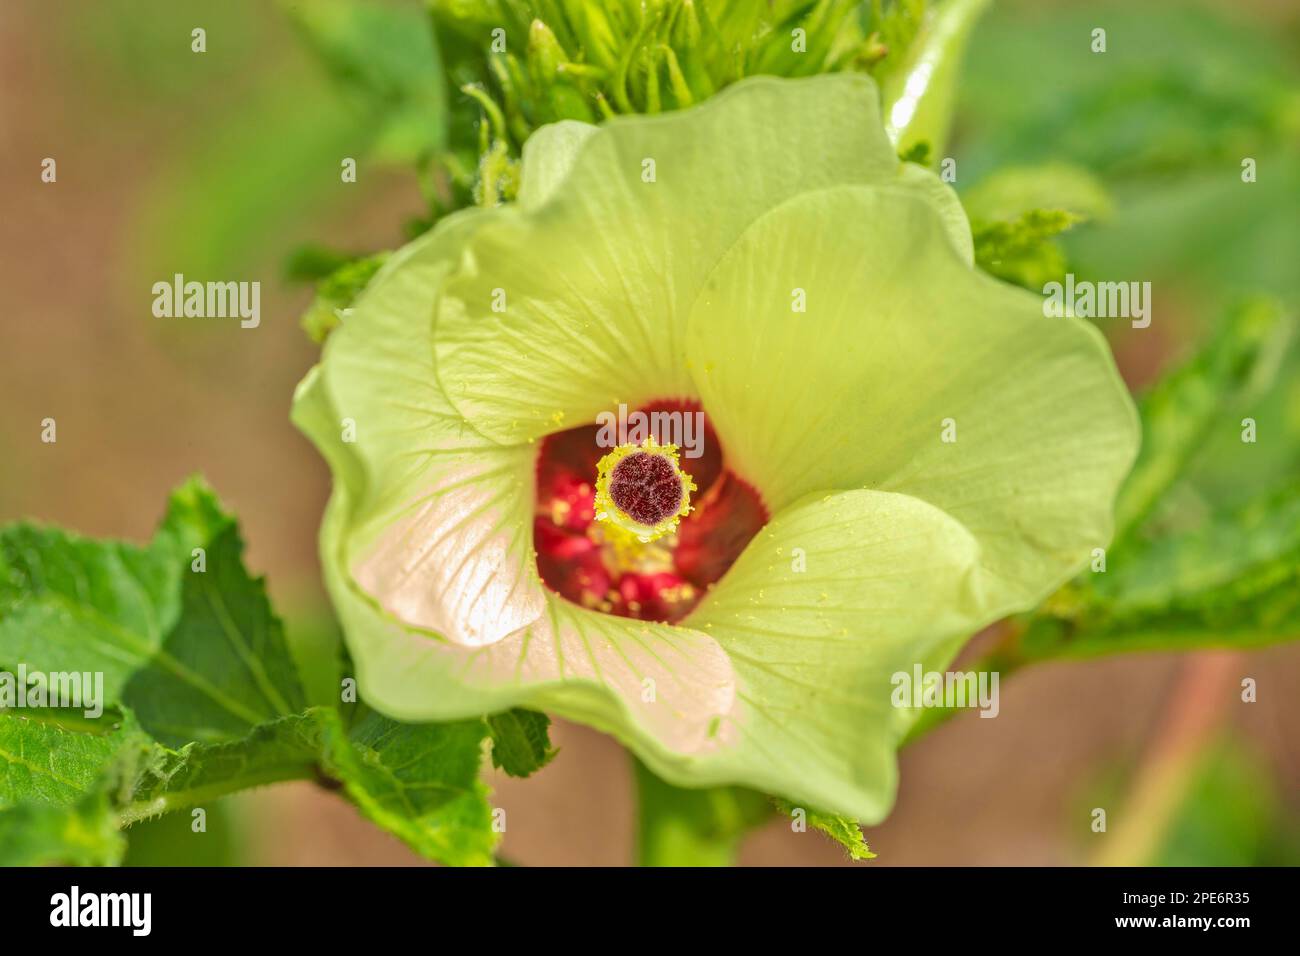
(1179, 86)
(1154, 131)
(1225, 808)
(1183, 93)
(1232, 814)
(171, 840)
(249, 136)
(386, 61)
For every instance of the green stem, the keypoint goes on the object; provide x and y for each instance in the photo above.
(181, 799)
(679, 827)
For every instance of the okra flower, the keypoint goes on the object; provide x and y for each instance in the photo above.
(898, 449)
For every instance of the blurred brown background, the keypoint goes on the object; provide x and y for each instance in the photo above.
(146, 135)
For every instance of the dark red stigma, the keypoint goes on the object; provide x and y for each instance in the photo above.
(666, 578)
(646, 487)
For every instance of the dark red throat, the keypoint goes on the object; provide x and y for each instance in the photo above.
(660, 581)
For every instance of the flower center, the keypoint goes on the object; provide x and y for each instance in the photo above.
(641, 490)
(641, 530)
(647, 487)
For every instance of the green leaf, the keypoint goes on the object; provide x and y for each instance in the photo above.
(1022, 251)
(418, 781)
(55, 789)
(160, 779)
(1229, 473)
(1017, 245)
(842, 830)
(680, 827)
(196, 654)
(84, 834)
(202, 699)
(336, 292)
(71, 604)
(1197, 400)
(313, 262)
(520, 742)
(1214, 554)
(1017, 213)
(226, 666)
(42, 762)
(1234, 580)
